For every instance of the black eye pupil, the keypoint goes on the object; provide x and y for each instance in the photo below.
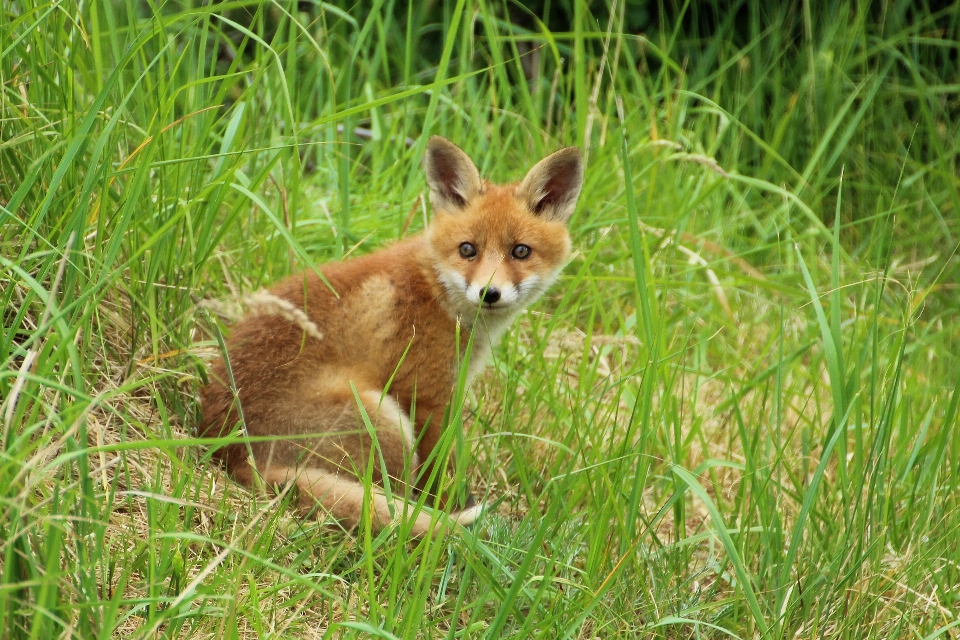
(521, 251)
(467, 250)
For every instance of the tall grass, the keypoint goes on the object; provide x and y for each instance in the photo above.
(734, 417)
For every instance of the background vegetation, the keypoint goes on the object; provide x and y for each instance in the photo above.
(735, 416)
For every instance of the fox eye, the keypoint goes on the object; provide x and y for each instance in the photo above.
(521, 252)
(467, 250)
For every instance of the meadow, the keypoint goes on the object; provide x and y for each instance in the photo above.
(735, 415)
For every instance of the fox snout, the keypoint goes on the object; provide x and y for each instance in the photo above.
(491, 287)
(490, 295)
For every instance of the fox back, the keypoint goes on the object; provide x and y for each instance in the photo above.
(383, 336)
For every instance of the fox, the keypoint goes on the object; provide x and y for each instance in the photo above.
(376, 342)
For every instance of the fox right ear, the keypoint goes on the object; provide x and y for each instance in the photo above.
(552, 187)
(451, 175)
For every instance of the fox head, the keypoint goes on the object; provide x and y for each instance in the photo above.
(496, 248)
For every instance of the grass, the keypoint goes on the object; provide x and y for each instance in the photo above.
(735, 416)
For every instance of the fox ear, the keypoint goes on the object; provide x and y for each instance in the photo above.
(552, 187)
(452, 177)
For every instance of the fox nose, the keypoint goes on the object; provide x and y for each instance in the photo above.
(491, 295)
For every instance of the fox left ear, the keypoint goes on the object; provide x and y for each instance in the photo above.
(452, 177)
(552, 186)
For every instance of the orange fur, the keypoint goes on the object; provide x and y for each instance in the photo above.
(395, 315)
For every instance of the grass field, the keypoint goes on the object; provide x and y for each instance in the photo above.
(734, 416)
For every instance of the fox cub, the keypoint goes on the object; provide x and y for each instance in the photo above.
(386, 329)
